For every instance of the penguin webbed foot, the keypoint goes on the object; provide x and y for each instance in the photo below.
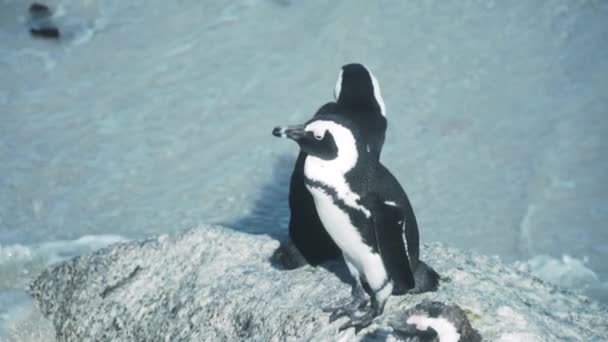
(341, 312)
(333, 307)
(361, 322)
(345, 307)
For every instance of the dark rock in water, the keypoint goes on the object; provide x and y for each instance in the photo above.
(40, 22)
(217, 284)
(39, 10)
(283, 2)
(47, 32)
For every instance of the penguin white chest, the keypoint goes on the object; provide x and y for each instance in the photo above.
(339, 226)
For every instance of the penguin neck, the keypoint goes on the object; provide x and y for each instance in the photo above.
(331, 172)
(330, 176)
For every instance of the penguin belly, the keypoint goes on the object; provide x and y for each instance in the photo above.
(348, 238)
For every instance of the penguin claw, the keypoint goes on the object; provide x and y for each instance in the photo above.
(331, 309)
(348, 309)
(341, 312)
(359, 323)
(340, 304)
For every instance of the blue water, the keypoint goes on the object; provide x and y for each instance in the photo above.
(152, 117)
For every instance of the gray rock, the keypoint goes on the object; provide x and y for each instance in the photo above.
(216, 284)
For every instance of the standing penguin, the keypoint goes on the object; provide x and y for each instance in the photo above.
(358, 97)
(364, 210)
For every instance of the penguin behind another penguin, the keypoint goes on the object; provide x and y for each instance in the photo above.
(358, 97)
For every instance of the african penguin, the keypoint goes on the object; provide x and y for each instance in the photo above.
(357, 96)
(364, 210)
(432, 321)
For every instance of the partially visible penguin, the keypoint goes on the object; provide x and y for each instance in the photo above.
(429, 321)
(364, 210)
(357, 96)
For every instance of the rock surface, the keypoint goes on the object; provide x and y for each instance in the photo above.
(216, 284)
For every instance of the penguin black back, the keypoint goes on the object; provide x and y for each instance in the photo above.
(358, 97)
(358, 89)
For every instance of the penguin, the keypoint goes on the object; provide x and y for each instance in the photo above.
(364, 210)
(357, 96)
(433, 321)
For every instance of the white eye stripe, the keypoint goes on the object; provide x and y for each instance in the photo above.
(338, 88)
(318, 137)
(377, 93)
(345, 143)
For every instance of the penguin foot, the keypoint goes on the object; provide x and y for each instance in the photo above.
(345, 302)
(334, 307)
(359, 323)
(344, 308)
(341, 312)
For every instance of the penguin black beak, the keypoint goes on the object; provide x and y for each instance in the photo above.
(295, 132)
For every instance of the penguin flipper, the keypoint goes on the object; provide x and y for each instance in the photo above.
(388, 230)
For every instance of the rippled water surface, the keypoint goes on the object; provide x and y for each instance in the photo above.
(149, 117)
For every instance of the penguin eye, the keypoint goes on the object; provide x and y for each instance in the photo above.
(318, 136)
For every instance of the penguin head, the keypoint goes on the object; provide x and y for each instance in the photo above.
(327, 137)
(358, 89)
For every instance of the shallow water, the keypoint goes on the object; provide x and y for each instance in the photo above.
(151, 117)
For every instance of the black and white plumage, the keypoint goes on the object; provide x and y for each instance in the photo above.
(358, 97)
(430, 321)
(363, 208)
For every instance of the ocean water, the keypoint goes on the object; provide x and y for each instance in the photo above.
(149, 117)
